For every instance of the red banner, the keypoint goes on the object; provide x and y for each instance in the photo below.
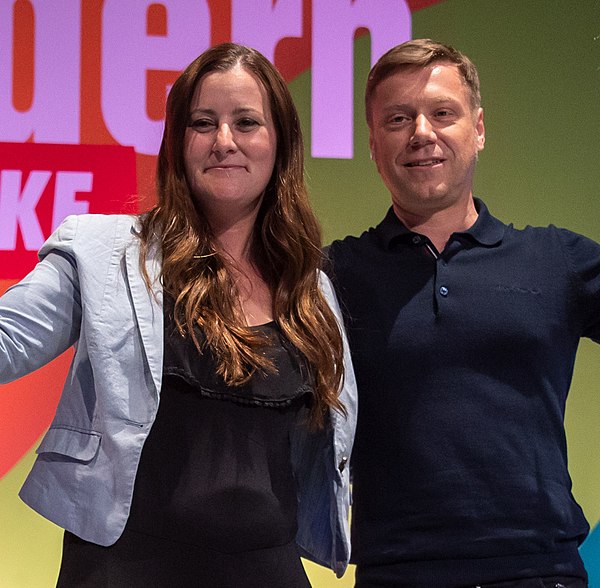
(41, 184)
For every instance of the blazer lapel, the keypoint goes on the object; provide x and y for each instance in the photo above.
(148, 306)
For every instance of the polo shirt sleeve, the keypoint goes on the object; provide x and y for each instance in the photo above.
(583, 259)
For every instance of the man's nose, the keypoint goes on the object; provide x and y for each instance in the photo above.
(423, 131)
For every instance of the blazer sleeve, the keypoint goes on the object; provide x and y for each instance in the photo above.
(40, 316)
(320, 461)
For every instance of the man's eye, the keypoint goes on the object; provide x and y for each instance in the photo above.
(201, 124)
(399, 119)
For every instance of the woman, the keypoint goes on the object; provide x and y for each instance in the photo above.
(213, 303)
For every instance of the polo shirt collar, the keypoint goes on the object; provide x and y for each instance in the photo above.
(487, 230)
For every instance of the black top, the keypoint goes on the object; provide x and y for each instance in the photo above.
(215, 500)
(216, 469)
(463, 362)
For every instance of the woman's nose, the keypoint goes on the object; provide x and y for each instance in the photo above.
(224, 141)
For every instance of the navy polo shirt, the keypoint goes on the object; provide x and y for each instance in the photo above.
(463, 360)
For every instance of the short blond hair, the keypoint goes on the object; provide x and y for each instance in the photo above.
(421, 53)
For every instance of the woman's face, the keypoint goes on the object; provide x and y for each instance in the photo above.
(230, 144)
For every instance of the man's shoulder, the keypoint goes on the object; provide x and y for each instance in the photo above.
(346, 253)
(352, 245)
(545, 235)
(552, 247)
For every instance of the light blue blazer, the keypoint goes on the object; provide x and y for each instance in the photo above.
(88, 292)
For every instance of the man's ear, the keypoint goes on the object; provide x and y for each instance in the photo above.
(371, 147)
(480, 130)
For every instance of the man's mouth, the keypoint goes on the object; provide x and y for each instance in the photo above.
(424, 163)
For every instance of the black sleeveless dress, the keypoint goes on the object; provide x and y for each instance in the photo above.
(214, 503)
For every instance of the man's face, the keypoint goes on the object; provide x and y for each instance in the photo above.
(425, 137)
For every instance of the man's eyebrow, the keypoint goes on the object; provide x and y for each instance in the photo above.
(445, 99)
(396, 106)
(435, 100)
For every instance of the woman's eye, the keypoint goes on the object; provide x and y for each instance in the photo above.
(201, 124)
(247, 124)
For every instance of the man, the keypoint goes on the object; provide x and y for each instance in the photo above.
(463, 332)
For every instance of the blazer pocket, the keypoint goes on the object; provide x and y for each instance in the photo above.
(78, 445)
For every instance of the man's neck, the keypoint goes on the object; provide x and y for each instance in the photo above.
(439, 225)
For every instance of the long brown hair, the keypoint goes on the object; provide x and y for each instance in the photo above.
(285, 244)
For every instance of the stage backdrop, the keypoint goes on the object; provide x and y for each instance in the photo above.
(82, 93)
